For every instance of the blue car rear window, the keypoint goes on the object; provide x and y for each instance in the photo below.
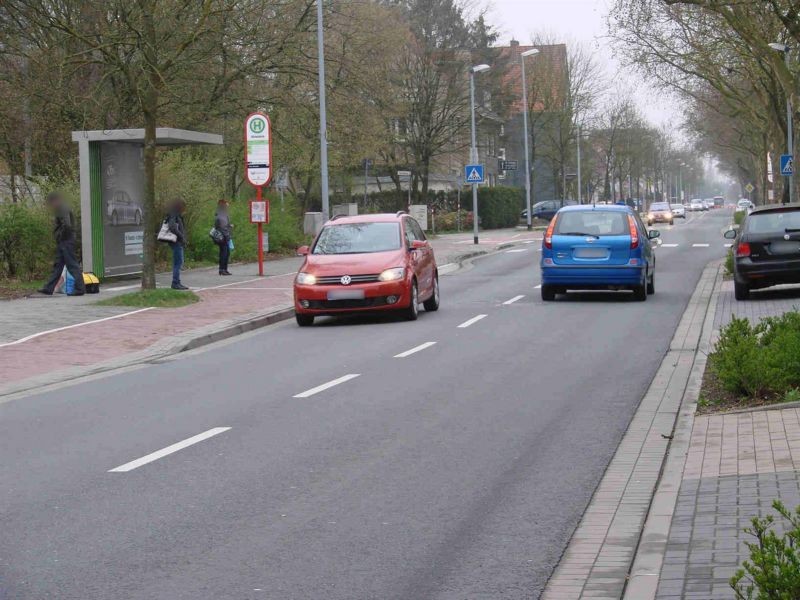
(595, 222)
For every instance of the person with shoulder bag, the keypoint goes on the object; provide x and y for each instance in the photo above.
(222, 234)
(176, 226)
(64, 233)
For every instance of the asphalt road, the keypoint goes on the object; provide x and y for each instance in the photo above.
(455, 472)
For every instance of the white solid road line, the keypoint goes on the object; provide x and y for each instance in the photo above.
(514, 299)
(517, 250)
(415, 350)
(472, 321)
(325, 386)
(699, 245)
(135, 464)
(41, 333)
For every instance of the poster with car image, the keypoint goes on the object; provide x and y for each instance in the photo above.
(123, 207)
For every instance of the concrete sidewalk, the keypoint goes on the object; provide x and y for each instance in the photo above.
(44, 340)
(724, 470)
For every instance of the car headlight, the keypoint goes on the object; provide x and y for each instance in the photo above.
(392, 274)
(651, 216)
(306, 279)
(669, 215)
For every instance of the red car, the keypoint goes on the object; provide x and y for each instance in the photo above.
(367, 263)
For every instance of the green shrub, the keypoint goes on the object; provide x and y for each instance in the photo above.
(773, 571)
(739, 216)
(449, 221)
(759, 359)
(729, 262)
(499, 206)
(26, 241)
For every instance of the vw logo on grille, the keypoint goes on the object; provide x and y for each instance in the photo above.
(787, 237)
(346, 279)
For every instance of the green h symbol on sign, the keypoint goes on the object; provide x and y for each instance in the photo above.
(257, 125)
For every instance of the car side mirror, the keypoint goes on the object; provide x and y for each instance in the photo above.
(303, 251)
(653, 234)
(730, 234)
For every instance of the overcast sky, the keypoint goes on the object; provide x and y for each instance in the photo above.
(576, 20)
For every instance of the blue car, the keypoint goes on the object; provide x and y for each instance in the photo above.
(598, 248)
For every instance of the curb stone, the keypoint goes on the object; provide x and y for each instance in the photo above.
(602, 549)
(646, 570)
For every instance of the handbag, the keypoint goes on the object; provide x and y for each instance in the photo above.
(165, 235)
(216, 235)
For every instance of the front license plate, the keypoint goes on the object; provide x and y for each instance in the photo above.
(590, 253)
(346, 295)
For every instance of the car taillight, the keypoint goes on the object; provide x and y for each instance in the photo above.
(548, 235)
(634, 232)
(743, 249)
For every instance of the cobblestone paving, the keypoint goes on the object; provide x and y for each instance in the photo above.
(763, 303)
(737, 465)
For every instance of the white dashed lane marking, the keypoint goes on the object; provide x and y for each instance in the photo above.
(325, 386)
(472, 321)
(514, 299)
(135, 464)
(415, 349)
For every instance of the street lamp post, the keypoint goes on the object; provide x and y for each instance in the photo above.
(789, 117)
(474, 148)
(323, 118)
(522, 56)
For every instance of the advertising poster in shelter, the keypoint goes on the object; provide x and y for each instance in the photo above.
(123, 206)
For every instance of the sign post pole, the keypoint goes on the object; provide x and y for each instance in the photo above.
(258, 170)
(260, 238)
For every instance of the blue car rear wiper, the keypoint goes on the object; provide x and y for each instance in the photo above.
(597, 237)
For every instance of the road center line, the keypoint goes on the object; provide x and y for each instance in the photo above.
(537, 287)
(325, 386)
(135, 464)
(699, 245)
(415, 350)
(514, 299)
(472, 321)
(517, 250)
(669, 245)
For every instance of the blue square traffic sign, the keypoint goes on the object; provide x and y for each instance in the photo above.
(473, 174)
(787, 164)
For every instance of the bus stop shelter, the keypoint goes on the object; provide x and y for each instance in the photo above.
(112, 194)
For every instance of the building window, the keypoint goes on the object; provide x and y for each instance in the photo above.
(502, 129)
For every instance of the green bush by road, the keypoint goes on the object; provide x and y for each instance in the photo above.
(160, 298)
(758, 362)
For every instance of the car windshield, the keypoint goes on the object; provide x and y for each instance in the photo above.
(595, 222)
(779, 222)
(659, 206)
(677, 206)
(358, 238)
(743, 202)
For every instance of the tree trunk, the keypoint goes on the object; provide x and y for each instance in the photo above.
(149, 103)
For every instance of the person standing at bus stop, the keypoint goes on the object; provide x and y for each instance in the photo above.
(222, 223)
(176, 225)
(64, 234)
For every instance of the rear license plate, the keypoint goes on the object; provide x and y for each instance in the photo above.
(346, 295)
(785, 248)
(590, 253)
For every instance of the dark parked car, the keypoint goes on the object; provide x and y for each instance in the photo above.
(767, 249)
(546, 209)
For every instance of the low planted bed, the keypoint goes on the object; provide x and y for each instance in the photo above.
(753, 365)
(164, 298)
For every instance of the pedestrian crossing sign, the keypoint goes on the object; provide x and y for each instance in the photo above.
(473, 174)
(787, 164)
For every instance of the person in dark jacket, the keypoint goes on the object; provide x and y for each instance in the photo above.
(64, 234)
(177, 226)
(222, 223)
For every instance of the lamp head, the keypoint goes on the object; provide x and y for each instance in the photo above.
(531, 52)
(479, 68)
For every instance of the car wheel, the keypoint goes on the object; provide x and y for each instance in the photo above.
(412, 312)
(672, 222)
(649, 223)
(548, 293)
(304, 320)
(432, 303)
(640, 293)
(741, 291)
(114, 218)
(651, 285)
